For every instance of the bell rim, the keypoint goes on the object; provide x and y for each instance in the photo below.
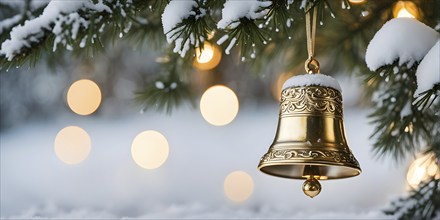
(354, 168)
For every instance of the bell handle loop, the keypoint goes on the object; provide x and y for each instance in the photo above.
(312, 65)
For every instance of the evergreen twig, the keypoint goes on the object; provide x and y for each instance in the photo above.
(170, 89)
(399, 126)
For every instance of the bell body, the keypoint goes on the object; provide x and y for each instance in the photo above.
(310, 139)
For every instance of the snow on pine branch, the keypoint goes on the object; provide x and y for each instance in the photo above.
(56, 14)
(175, 12)
(404, 39)
(182, 22)
(232, 14)
(34, 4)
(428, 71)
(408, 41)
(8, 23)
(234, 10)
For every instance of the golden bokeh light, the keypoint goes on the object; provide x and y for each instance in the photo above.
(238, 186)
(72, 145)
(357, 1)
(219, 105)
(150, 149)
(208, 58)
(403, 13)
(405, 9)
(84, 97)
(422, 169)
(206, 54)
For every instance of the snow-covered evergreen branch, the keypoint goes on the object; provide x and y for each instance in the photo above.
(55, 17)
(403, 56)
(423, 203)
(185, 23)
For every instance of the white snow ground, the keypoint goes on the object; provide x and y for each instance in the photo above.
(108, 184)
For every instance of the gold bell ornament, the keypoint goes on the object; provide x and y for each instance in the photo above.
(310, 141)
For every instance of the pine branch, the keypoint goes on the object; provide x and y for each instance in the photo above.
(248, 35)
(244, 29)
(285, 51)
(279, 17)
(192, 31)
(14, 16)
(427, 98)
(83, 25)
(146, 28)
(170, 89)
(423, 204)
(358, 24)
(399, 125)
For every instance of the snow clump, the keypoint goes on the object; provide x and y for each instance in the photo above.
(23, 36)
(175, 12)
(428, 71)
(234, 10)
(403, 39)
(312, 80)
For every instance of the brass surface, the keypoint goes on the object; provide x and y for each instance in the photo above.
(310, 139)
(311, 187)
(311, 65)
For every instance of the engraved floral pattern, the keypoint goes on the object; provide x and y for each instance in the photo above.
(341, 156)
(311, 100)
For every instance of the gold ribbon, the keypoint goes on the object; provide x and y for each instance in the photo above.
(311, 65)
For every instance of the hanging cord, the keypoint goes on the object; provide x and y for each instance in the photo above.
(311, 65)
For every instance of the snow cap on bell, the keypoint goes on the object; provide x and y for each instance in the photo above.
(312, 79)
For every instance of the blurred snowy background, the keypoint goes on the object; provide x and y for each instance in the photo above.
(191, 182)
(201, 170)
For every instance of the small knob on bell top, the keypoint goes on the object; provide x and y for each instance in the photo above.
(312, 65)
(311, 187)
